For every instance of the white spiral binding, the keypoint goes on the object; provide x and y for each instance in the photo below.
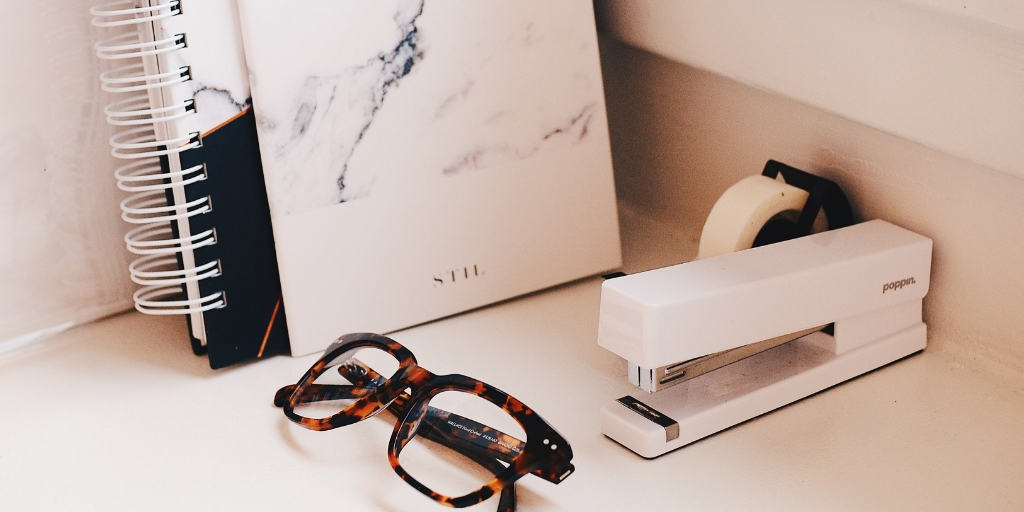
(156, 269)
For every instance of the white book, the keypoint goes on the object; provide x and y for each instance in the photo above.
(423, 159)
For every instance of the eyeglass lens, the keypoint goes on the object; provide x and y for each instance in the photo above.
(480, 441)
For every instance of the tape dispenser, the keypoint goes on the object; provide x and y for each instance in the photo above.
(787, 297)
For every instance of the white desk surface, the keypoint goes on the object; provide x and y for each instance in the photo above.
(119, 415)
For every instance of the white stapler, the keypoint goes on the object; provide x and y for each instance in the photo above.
(721, 340)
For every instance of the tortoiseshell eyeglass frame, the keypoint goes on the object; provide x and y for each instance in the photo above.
(545, 453)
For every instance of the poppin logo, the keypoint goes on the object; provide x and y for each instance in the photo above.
(896, 285)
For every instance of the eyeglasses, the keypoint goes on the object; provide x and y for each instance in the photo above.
(457, 440)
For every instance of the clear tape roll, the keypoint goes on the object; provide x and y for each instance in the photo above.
(745, 208)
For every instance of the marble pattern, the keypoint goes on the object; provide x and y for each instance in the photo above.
(323, 111)
(573, 130)
(404, 141)
(355, 101)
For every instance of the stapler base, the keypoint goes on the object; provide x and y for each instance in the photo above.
(652, 424)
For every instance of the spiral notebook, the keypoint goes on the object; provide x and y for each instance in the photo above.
(197, 203)
(425, 158)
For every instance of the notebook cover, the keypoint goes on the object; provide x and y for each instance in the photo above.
(422, 159)
(252, 324)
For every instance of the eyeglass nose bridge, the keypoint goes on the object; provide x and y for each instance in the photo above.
(414, 376)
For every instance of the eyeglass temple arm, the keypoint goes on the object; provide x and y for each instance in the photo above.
(467, 435)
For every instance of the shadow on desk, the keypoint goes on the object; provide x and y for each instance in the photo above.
(125, 339)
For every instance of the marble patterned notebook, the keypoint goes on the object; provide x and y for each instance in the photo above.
(423, 158)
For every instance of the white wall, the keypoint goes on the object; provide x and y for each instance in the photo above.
(947, 74)
(61, 255)
(1008, 13)
(681, 136)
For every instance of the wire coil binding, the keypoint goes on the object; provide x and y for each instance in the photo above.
(157, 270)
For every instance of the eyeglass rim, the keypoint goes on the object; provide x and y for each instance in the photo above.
(507, 501)
(536, 458)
